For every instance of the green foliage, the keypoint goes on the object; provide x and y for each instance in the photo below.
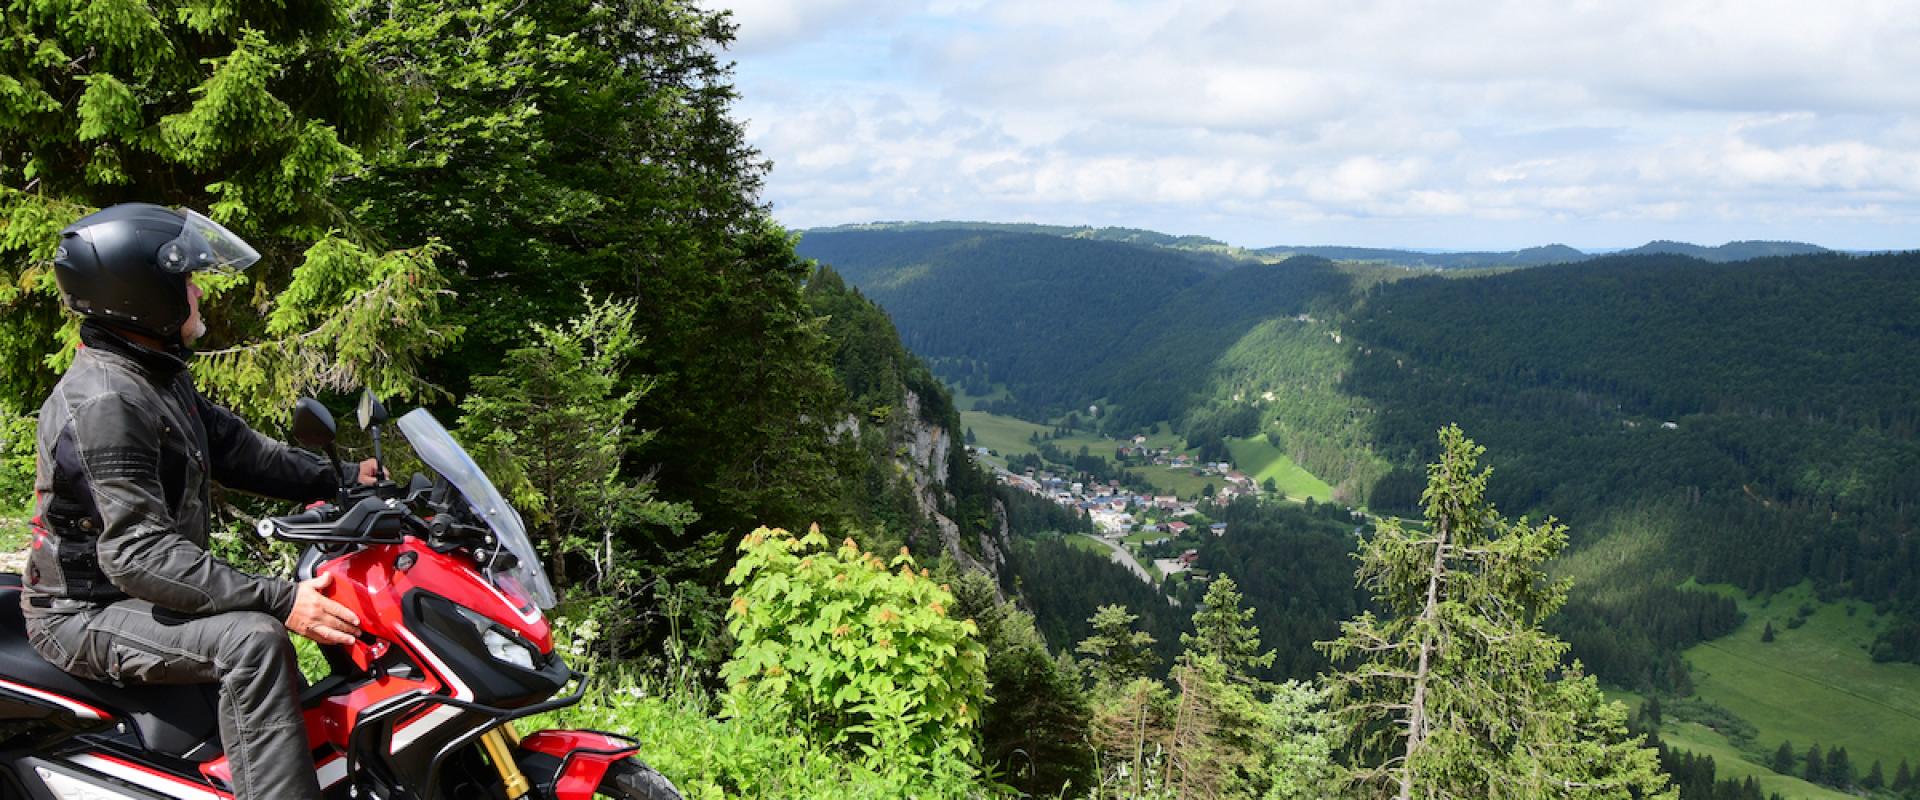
(1132, 723)
(1066, 587)
(1117, 654)
(1793, 455)
(1031, 301)
(1295, 568)
(757, 754)
(1452, 693)
(1294, 759)
(557, 144)
(248, 111)
(882, 381)
(1792, 451)
(1631, 611)
(862, 658)
(1034, 734)
(17, 436)
(1232, 734)
(349, 318)
(1225, 632)
(551, 427)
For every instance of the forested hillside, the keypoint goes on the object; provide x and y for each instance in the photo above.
(542, 220)
(1740, 422)
(1767, 407)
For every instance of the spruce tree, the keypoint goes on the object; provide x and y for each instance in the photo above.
(1035, 732)
(1116, 653)
(1222, 629)
(1839, 770)
(1903, 777)
(1452, 693)
(567, 143)
(249, 112)
(1876, 777)
(1783, 759)
(1767, 635)
(1816, 769)
(1225, 740)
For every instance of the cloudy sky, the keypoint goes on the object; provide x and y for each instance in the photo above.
(1439, 124)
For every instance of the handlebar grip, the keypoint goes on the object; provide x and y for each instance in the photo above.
(266, 527)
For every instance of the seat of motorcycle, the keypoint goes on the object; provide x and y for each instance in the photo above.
(175, 720)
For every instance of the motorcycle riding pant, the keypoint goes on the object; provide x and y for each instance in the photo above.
(247, 652)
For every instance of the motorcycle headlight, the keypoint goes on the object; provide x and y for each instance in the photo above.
(500, 644)
(507, 649)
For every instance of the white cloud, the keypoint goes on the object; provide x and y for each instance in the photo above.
(1482, 123)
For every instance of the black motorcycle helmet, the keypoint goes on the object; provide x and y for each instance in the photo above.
(128, 264)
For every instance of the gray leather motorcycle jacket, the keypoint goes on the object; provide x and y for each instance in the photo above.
(127, 453)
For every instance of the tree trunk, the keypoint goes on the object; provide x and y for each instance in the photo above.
(1417, 716)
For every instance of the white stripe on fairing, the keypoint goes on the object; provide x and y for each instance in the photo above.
(81, 709)
(405, 737)
(140, 777)
(67, 787)
(460, 690)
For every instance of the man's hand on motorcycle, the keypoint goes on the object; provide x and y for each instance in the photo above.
(320, 618)
(370, 472)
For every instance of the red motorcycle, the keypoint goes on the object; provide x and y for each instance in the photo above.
(454, 647)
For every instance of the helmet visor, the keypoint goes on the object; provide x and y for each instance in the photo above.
(204, 244)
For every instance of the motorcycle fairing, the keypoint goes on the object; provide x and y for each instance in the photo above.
(569, 765)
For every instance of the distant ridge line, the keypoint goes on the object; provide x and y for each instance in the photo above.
(1741, 250)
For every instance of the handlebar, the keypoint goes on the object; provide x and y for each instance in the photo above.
(372, 520)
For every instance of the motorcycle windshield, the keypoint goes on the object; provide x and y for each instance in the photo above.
(436, 447)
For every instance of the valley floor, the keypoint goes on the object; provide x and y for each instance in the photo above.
(1813, 684)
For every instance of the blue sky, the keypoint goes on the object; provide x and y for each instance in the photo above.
(1459, 125)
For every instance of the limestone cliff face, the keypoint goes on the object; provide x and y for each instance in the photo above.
(923, 453)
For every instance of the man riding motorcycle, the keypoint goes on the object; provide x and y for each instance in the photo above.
(120, 586)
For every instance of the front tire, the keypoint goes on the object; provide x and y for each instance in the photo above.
(632, 779)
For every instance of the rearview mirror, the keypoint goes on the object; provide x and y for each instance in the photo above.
(312, 424)
(371, 411)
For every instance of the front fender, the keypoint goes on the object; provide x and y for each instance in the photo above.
(568, 765)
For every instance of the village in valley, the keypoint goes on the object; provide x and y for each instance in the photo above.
(1147, 496)
(1142, 528)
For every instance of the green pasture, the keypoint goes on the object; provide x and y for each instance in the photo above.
(1178, 482)
(1730, 762)
(1089, 544)
(1007, 436)
(1814, 683)
(1261, 460)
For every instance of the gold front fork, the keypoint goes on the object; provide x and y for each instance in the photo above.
(499, 743)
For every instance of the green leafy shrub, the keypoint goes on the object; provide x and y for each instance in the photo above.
(858, 656)
(754, 755)
(16, 461)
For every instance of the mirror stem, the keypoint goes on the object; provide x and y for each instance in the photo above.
(379, 464)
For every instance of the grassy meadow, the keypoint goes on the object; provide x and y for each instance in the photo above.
(1813, 683)
(1261, 460)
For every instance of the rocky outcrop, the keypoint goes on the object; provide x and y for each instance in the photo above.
(924, 454)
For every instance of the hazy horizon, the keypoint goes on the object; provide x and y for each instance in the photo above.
(1598, 250)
